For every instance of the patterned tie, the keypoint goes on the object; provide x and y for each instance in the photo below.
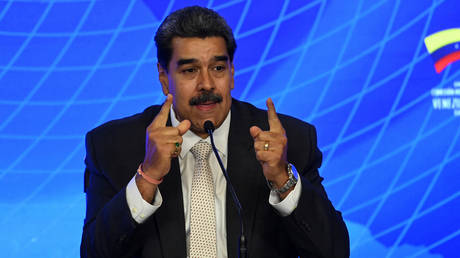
(202, 212)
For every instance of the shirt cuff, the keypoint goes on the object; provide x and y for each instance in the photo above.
(139, 208)
(288, 205)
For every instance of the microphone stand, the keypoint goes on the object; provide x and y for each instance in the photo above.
(242, 245)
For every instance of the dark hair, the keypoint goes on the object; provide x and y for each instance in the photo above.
(193, 21)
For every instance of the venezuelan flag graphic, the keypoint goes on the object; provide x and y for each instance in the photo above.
(444, 47)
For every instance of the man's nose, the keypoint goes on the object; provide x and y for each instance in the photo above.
(206, 81)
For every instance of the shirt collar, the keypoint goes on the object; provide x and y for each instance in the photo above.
(190, 138)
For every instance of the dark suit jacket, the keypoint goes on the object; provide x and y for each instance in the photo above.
(115, 150)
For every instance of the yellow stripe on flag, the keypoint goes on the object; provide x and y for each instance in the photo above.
(442, 38)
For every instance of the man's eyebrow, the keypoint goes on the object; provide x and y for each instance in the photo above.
(221, 58)
(186, 61)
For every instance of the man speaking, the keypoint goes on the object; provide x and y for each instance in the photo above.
(155, 188)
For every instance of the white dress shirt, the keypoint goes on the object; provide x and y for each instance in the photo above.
(141, 210)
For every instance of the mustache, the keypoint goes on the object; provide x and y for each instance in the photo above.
(205, 97)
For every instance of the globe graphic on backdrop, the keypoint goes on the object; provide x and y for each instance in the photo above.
(358, 71)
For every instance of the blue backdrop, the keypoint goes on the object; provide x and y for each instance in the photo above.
(358, 70)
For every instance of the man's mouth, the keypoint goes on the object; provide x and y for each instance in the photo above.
(206, 106)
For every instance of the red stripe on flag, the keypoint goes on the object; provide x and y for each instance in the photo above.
(445, 61)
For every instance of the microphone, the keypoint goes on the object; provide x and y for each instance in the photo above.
(242, 246)
(209, 127)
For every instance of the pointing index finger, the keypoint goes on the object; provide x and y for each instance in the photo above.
(162, 116)
(273, 121)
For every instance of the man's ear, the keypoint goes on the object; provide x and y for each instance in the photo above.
(163, 77)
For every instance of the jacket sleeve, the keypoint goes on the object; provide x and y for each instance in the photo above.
(315, 228)
(108, 224)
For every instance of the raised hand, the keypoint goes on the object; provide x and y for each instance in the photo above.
(162, 143)
(271, 148)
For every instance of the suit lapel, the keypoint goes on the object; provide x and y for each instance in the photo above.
(245, 175)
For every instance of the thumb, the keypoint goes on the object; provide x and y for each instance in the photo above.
(254, 131)
(184, 126)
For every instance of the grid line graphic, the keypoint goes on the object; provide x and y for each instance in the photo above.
(29, 96)
(356, 105)
(338, 62)
(16, 56)
(265, 52)
(302, 56)
(382, 130)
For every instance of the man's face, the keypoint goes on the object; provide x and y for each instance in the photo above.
(200, 78)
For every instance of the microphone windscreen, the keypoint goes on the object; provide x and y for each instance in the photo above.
(208, 126)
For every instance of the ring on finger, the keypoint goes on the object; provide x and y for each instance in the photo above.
(266, 146)
(177, 145)
(176, 151)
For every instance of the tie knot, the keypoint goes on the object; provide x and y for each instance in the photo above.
(201, 150)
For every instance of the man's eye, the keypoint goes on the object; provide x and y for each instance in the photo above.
(189, 70)
(219, 68)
